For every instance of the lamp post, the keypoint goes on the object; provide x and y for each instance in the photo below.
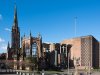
(43, 65)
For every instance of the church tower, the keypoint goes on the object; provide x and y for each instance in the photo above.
(15, 34)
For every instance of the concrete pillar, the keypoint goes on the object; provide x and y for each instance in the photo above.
(60, 49)
(63, 49)
(58, 58)
(66, 50)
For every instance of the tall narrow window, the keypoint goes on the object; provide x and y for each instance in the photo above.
(27, 50)
(34, 49)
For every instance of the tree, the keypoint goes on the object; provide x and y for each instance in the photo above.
(3, 56)
(31, 61)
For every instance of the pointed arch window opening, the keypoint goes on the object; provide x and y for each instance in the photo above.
(27, 50)
(47, 50)
(34, 50)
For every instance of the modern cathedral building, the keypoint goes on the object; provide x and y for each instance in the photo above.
(30, 52)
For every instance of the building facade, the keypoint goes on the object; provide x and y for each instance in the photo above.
(82, 51)
(86, 50)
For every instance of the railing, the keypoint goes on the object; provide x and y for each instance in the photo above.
(25, 73)
(7, 71)
(21, 72)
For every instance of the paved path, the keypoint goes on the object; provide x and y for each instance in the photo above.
(96, 73)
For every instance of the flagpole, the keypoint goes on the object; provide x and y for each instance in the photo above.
(75, 22)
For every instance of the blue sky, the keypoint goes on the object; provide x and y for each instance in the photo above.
(54, 19)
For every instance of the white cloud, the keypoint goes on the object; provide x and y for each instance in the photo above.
(2, 40)
(3, 48)
(0, 17)
(7, 29)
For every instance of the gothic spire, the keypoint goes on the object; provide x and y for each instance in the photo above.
(15, 17)
(8, 45)
(24, 35)
(30, 33)
(39, 36)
